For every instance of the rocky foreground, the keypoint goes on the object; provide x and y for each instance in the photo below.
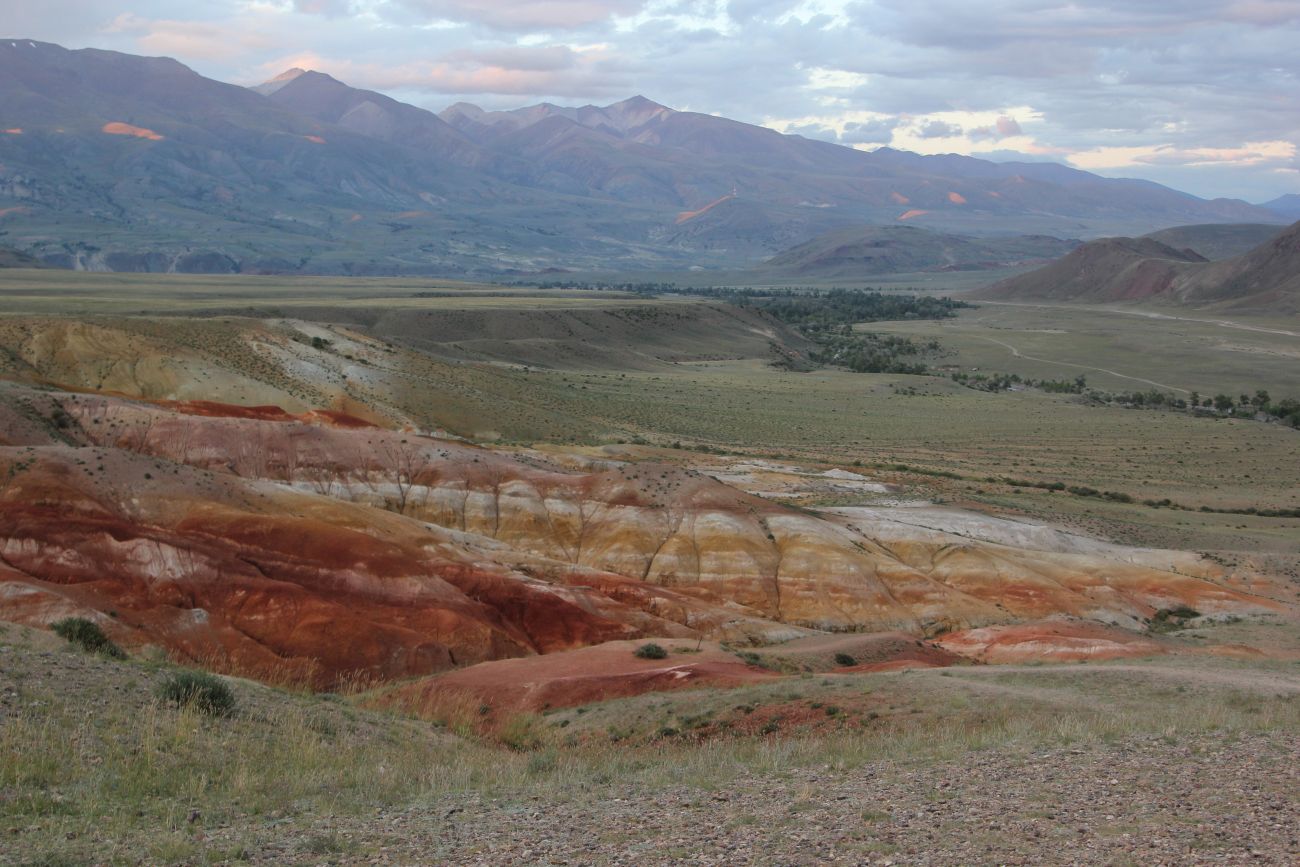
(1147, 800)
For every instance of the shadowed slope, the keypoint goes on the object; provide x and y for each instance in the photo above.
(1266, 279)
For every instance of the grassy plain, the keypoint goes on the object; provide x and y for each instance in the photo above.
(57, 292)
(1122, 349)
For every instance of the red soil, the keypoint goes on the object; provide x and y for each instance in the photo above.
(213, 409)
(591, 674)
(118, 128)
(270, 584)
(1057, 641)
(878, 651)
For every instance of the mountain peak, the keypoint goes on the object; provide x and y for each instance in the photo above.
(267, 88)
(639, 102)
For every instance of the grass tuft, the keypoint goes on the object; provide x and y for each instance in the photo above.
(87, 635)
(199, 690)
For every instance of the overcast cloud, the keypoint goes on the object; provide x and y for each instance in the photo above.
(1201, 95)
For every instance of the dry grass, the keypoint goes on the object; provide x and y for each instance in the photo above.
(93, 768)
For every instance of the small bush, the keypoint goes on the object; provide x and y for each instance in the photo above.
(521, 732)
(1172, 619)
(844, 659)
(199, 690)
(749, 657)
(650, 651)
(86, 635)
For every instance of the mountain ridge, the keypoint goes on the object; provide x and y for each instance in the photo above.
(122, 162)
(852, 253)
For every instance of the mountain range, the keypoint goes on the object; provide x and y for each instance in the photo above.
(112, 161)
(1287, 207)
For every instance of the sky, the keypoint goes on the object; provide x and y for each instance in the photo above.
(1202, 95)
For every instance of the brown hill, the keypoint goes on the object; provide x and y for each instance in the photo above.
(1217, 241)
(1267, 278)
(864, 250)
(15, 259)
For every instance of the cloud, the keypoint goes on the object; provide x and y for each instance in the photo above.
(1246, 154)
(938, 129)
(328, 8)
(191, 40)
(879, 131)
(517, 15)
(1003, 127)
(466, 72)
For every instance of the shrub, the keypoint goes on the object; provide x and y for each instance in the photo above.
(199, 690)
(844, 659)
(1172, 619)
(650, 651)
(521, 732)
(87, 635)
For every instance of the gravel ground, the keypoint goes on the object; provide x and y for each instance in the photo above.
(1144, 801)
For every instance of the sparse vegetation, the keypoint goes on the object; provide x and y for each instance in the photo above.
(1172, 619)
(86, 635)
(650, 651)
(199, 690)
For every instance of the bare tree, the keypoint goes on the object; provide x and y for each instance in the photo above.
(136, 437)
(776, 567)
(287, 459)
(496, 479)
(693, 543)
(250, 457)
(671, 517)
(405, 462)
(323, 479)
(591, 515)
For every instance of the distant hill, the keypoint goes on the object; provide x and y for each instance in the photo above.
(1217, 240)
(14, 259)
(868, 250)
(118, 162)
(1264, 279)
(1287, 207)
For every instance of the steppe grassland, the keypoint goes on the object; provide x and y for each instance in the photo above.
(55, 292)
(94, 768)
(1200, 351)
(745, 405)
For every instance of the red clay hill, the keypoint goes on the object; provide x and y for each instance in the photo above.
(317, 548)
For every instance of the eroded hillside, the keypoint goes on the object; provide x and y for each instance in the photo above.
(321, 546)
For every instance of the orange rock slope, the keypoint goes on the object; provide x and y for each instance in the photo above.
(317, 547)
